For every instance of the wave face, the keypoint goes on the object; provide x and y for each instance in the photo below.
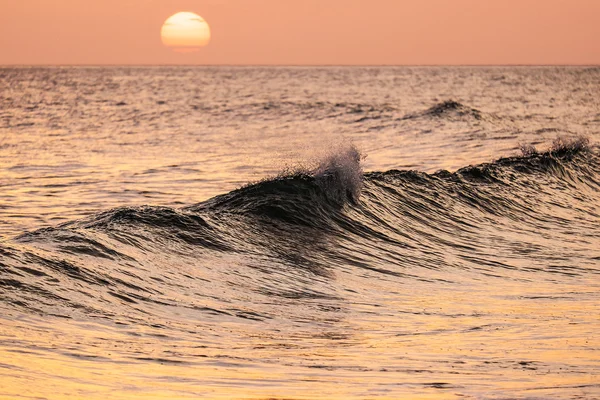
(313, 220)
(298, 252)
(324, 281)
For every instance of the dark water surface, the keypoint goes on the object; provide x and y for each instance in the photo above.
(300, 233)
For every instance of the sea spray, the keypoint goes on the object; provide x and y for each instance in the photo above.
(337, 168)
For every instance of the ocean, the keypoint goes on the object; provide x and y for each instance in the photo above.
(299, 233)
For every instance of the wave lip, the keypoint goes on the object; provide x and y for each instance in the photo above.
(561, 146)
(305, 196)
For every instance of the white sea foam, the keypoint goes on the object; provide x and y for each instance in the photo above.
(341, 170)
(336, 166)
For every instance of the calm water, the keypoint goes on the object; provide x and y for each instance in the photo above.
(300, 233)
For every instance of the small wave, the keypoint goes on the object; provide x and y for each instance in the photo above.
(450, 107)
(302, 195)
(452, 110)
(340, 173)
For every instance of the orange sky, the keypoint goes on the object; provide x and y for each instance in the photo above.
(300, 32)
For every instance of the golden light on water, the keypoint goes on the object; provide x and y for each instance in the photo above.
(185, 32)
(472, 343)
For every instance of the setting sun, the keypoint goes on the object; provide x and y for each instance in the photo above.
(185, 31)
(299, 199)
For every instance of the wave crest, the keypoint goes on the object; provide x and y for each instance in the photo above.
(302, 195)
(341, 174)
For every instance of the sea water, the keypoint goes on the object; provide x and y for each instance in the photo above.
(299, 233)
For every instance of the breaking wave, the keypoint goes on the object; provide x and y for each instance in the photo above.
(279, 236)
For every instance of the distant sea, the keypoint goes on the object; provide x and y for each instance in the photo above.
(300, 233)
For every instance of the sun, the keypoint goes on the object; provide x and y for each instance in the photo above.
(185, 32)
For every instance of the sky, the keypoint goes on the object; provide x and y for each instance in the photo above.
(305, 32)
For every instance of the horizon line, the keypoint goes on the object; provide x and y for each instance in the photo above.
(297, 65)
